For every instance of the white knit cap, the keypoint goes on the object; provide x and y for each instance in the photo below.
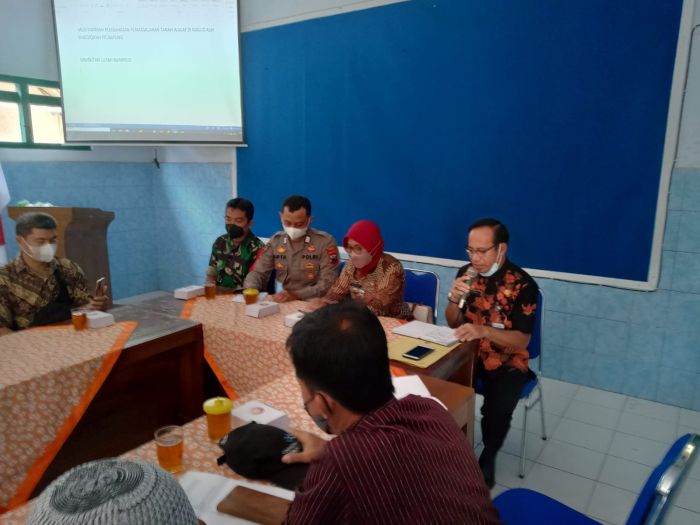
(113, 492)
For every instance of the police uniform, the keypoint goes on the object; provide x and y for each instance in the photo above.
(306, 271)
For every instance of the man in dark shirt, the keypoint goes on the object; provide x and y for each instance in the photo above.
(494, 303)
(393, 461)
(233, 254)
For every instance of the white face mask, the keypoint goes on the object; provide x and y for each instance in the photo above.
(44, 253)
(494, 266)
(361, 260)
(295, 233)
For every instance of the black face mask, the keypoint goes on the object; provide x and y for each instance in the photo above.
(235, 231)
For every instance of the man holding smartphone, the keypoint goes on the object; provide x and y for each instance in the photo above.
(37, 288)
(493, 301)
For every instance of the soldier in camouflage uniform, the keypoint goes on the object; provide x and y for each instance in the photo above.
(305, 260)
(234, 253)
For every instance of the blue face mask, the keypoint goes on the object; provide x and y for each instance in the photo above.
(321, 422)
(494, 266)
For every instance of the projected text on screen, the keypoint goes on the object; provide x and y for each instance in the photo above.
(150, 70)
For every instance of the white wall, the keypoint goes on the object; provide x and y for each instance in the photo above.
(689, 146)
(258, 14)
(28, 49)
(27, 43)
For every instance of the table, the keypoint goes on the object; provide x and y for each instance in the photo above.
(200, 454)
(158, 379)
(457, 366)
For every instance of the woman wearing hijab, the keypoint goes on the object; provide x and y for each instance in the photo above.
(370, 276)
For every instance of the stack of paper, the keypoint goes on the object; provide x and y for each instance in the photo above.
(406, 385)
(442, 335)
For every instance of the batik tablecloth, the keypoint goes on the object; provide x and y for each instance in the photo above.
(200, 453)
(48, 377)
(246, 352)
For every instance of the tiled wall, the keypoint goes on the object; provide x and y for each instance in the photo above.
(189, 202)
(166, 219)
(644, 344)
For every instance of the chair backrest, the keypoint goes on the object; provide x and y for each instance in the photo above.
(659, 489)
(534, 347)
(422, 288)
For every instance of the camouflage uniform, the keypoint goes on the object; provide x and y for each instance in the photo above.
(229, 264)
(23, 292)
(307, 271)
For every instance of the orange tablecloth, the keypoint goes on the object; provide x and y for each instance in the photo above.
(245, 352)
(48, 377)
(199, 453)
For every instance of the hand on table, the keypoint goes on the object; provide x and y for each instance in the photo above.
(312, 446)
(318, 302)
(469, 332)
(283, 297)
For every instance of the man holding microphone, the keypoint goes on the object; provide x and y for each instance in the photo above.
(493, 300)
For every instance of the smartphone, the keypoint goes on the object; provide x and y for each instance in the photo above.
(100, 287)
(417, 353)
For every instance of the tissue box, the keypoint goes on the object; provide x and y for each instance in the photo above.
(292, 319)
(262, 414)
(99, 319)
(188, 292)
(262, 309)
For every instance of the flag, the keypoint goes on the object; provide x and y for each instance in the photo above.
(4, 201)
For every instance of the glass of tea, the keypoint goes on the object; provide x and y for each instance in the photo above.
(169, 445)
(250, 295)
(218, 411)
(210, 290)
(78, 317)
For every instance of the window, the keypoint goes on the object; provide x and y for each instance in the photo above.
(30, 114)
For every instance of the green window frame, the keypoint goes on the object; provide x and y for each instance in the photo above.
(24, 99)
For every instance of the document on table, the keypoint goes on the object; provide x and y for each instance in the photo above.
(442, 335)
(205, 491)
(406, 385)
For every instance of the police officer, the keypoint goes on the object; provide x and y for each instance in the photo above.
(305, 260)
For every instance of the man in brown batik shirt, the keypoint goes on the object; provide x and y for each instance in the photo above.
(37, 288)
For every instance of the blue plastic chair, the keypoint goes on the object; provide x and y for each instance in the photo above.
(422, 288)
(527, 507)
(531, 394)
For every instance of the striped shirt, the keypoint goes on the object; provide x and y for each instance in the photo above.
(406, 462)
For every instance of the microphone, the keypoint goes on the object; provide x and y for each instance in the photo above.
(472, 273)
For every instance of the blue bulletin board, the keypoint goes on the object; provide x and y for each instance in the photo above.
(426, 115)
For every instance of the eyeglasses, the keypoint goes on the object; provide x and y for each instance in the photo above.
(306, 403)
(472, 252)
(357, 249)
